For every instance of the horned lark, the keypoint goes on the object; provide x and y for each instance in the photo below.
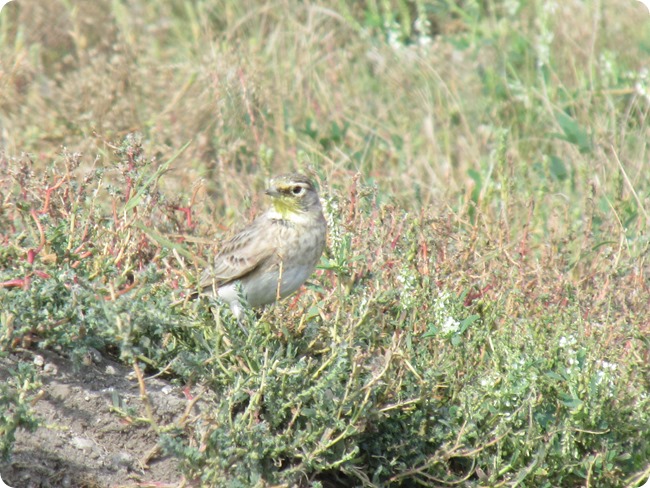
(276, 253)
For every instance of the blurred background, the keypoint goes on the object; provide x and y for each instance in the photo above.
(415, 95)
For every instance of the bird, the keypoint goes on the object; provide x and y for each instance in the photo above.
(275, 254)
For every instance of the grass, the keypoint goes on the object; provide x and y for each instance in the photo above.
(480, 315)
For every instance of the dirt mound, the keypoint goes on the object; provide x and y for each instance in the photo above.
(88, 435)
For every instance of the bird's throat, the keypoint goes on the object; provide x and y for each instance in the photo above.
(288, 209)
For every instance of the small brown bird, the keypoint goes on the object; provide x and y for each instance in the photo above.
(274, 255)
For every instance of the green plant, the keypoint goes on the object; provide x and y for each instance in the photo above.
(18, 392)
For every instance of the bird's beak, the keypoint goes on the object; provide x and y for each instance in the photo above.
(272, 191)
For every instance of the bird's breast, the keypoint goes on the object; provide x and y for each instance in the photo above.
(280, 281)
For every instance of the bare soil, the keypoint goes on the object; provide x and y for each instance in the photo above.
(82, 440)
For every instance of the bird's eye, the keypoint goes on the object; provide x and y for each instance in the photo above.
(297, 190)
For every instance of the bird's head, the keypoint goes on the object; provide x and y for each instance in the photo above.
(293, 195)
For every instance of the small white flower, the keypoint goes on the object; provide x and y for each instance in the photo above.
(450, 326)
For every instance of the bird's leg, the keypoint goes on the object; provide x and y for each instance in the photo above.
(238, 311)
(279, 288)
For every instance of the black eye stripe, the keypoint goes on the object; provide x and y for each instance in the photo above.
(289, 190)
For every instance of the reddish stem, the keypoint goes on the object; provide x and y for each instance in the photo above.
(31, 254)
(15, 283)
(129, 184)
(48, 193)
(120, 292)
(188, 215)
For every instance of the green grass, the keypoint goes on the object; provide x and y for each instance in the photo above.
(480, 316)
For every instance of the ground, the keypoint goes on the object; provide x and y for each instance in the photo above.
(82, 440)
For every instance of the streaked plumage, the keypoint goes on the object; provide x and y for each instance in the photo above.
(274, 255)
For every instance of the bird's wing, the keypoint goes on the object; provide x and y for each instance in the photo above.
(240, 255)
